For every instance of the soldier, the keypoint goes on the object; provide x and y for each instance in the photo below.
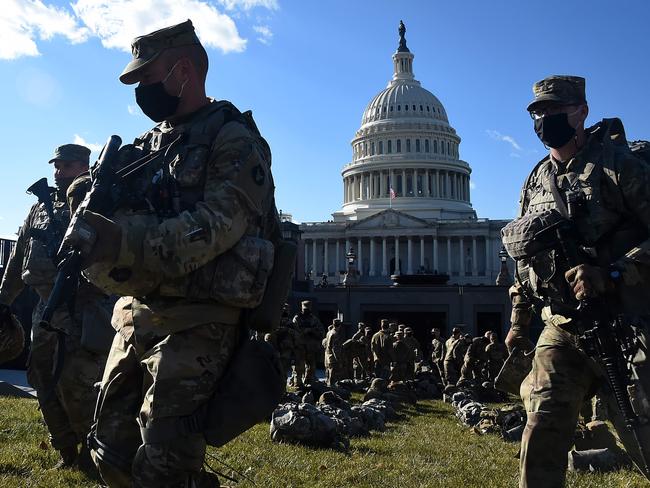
(382, 350)
(450, 365)
(402, 359)
(475, 359)
(437, 353)
(283, 340)
(496, 355)
(309, 344)
(360, 331)
(67, 401)
(416, 351)
(610, 209)
(369, 362)
(190, 238)
(333, 353)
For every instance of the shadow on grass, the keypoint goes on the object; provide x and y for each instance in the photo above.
(11, 470)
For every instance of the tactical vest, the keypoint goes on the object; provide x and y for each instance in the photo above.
(39, 269)
(607, 231)
(237, 277)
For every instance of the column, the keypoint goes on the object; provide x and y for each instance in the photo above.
(426, 190)
(488, 261)
(382, 185)
(449, 256)
(384, 263)
(313, 258)
(347, 250)
(360, 176)
(359, 256)
(337, 268)
(435, 254)
(422, 251)
(397, 267)
(474, 260)
(306, 257)
(326, 268)
(403, 182)
(372, 257)
(409, 255)
(461, 245)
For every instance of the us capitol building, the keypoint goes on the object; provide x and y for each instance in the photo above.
(405, 147)
(406, 210)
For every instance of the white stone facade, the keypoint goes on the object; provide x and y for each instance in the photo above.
(406, 193)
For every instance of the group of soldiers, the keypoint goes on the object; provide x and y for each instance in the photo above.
(392, 352)
(187, 247)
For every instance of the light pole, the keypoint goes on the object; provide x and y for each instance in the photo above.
(504, 278)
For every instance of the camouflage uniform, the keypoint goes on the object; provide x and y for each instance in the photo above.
(309, 344)
(496, 355)
(283, 340)
(209, 255)
(68, 410)
(438, 356)
(334, 354)
(475, 360)
(382, 351)
(416, 351)
(451, 366)
(615, 224)
(402, 365)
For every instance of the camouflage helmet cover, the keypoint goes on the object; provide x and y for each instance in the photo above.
(558, 89)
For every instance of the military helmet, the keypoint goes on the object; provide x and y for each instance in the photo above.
(12, 338)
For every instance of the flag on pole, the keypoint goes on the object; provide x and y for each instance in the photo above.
(392, 193)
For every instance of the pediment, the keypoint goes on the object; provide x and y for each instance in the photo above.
(390, 219)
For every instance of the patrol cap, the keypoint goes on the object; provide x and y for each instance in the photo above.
(455, 330)
(305, 304)
(384, 322)
(147, 48)
(401, 326)
(71, 152)
(408, 329)
(559, 89)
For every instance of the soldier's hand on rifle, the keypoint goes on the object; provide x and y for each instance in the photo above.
(98, 239)
(588, 281)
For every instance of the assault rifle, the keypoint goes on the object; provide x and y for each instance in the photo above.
(608, 338)
(52, 235)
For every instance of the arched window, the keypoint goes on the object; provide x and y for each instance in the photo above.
(391, 108)
(390, 146)
(448, 148)
(399, 108)
(442, 147)
(417, 145)
(413, 107)
(406, 108)
(435, 146)
(428, 109)
(426, 145)
(408, 145)
(381, 147)
(421, 108)
(399, 145)
(372, 148)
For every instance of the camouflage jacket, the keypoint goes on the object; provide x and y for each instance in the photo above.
(382, 347)
(476, 349)
(206, 243)
(29, 263)
(496, 351)
(613, 222)
(333, 345)
(437, 350)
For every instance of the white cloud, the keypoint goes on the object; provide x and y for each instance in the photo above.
(96, 148)
(117, 22)
(505, 138)
(22, 22)
(249, 4)
(133, 110)
(265, 34)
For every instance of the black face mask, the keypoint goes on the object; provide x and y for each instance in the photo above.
(554, 130)
(155, 102)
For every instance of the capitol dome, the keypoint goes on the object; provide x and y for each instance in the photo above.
(405, 154)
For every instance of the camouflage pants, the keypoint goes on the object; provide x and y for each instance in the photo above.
(472, 369)
(68, 410)
(451, 372)
(150, 382)
(562, 377)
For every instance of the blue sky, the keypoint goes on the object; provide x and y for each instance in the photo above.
(307, 69)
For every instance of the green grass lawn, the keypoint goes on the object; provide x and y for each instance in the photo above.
(428, 448)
